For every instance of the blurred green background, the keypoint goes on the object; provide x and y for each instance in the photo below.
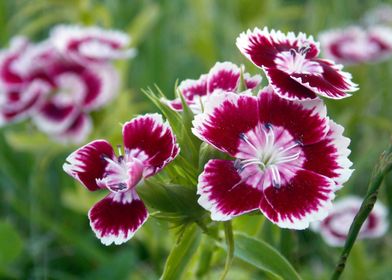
(44, 231)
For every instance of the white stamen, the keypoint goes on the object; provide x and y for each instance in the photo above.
(269, 137)
(245, 138)
(255, 161)
(281, 150)
(288, 158)
(250, 160)
(276, 179)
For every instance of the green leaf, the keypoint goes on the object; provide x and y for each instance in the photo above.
(187, 138)
(207, 152)
(172, 116)
(11, 244)
(182, 253)
(262, 256)
(173, 201)
(156, 196)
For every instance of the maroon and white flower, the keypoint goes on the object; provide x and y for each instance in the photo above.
(17, 98)
(149, 145)
(77, 131)
(289, 158)
(292, 66)
(9, 78)
(356, 44)
(18, 103)
(91, 44)
(75, 90)
(224, 76)
(59, 81)
(334, 229)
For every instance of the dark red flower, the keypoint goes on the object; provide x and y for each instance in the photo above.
(149, 145)
(75, 90)
(356, 44)
(289, 158)
(91, 44)
(334, 229)
(224, 76)
(17, 97)
(292, 65)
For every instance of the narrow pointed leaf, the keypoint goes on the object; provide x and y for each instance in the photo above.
(263, 256)
(182, 253)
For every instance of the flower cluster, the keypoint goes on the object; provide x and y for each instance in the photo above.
(57, 82)
(288, 157)
(283, 155)
(334, 229)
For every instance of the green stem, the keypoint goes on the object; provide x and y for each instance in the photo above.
(230, 248)
(382, 168)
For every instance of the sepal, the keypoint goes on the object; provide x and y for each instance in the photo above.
(208, 152)
(171, 202)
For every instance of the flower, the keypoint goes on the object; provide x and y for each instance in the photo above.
(17, 98)
(292, 67)
(58, 82)
(8, 76)
(224, 76)
(149, 145)
(289, 158)
(72, 90)
(91, 44)
(355, 44)
(334, 229)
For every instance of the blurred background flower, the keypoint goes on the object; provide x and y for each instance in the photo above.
(356, 44)
(44, 233)
(57, 83)
(334, 229)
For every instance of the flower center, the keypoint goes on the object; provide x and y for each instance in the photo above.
(268, 156)
(294, 61)
(123, 173)
(340, 224)
(71, 89)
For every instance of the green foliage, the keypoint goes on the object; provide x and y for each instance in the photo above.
(11, 246)
(263, 256)
(181, 253)
(171, 202)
